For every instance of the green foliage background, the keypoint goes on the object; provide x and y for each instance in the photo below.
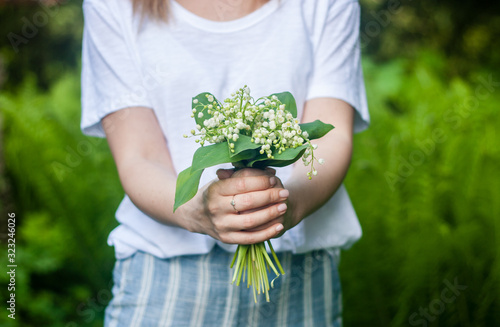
(425, 177)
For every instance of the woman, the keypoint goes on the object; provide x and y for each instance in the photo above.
(142, 63)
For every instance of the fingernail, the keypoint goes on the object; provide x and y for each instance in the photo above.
(282, 207)
(284, 193)
(279, 228)
(271, 170)
(272, 180)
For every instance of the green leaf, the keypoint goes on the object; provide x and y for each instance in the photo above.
(187, 186)
(256, 162)
(287, 157)
(316, 129)
(202, 102)
(216, 154)
(285, 162)
(211, 155)
(274, 163)
(289, 101)
(244, 156)
(291, 153)
(244, 143)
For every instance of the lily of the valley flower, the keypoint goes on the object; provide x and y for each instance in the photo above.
(266, 120)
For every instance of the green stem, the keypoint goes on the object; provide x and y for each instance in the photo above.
(275, 257)
(235, 255)
(268, 259)
(239, 266)
(242, 266)
(250, 271)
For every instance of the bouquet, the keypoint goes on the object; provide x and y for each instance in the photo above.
(249, 133)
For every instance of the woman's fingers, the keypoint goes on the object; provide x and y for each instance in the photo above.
(257, 212)
(245, 172)
(251, 220)
(224, 173)
(235, 185)
(251, 237)
(253, 200)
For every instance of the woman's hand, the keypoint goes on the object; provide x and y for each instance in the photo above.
(286, 219)
(257, 214)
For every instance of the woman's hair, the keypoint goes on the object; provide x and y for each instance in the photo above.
(154, 9)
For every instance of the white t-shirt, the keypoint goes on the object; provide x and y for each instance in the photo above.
(309, 48)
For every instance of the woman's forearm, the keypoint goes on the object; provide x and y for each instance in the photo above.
(151, 187)
(335, 148)
(144, 164)
(307, 196)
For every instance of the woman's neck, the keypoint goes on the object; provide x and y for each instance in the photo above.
(221, 10)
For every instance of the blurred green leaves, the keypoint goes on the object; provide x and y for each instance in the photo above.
(425, 183)
(63, 215)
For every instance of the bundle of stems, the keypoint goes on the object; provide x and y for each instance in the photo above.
(252, 264)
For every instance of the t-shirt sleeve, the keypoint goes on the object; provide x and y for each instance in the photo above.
(111, 77)
(337, 69)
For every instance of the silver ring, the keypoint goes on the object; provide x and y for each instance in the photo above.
(234, 204)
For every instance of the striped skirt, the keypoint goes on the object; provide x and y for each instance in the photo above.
(195, 290)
